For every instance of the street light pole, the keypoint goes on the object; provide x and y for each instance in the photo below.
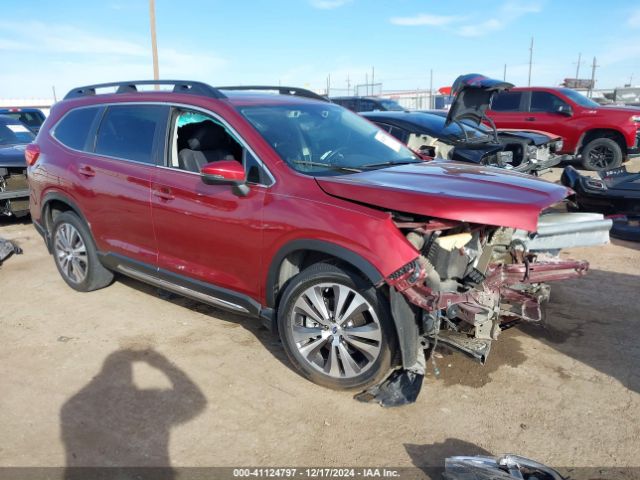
(530, 61)
(154, 43)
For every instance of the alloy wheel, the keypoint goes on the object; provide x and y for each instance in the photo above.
(336, 330)
(71, 253)
(601, 157)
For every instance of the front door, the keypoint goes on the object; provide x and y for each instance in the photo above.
(208, 232)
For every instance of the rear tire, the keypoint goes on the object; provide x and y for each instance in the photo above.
(336, 328)
(75, 254)
(601, 154)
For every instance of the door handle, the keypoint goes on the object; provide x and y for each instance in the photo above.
(530, 119)
(87, 171)
(163, 193)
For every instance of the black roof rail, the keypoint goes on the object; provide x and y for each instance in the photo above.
(299, 92)
(179, 86)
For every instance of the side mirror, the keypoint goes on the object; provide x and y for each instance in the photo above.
(564, 110)
(226, 172)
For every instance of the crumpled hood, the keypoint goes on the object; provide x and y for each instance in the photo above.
(12, 156)
(452, 191)
(472, 97)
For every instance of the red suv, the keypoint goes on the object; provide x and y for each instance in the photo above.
(603, 136)
(283, 206)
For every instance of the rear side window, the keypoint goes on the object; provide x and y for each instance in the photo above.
(128, 131)
(506, 102)
(73, 130)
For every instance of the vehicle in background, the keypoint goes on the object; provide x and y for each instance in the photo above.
(32, 118)
(14, 190)
(602, 136)
(292, 209)
(627, 96)
(368, 104)
(426, 133)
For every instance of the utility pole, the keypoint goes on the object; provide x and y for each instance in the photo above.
(504, 75)
(372, 82)
(593, 76)
(366, 84)
(530, 61)
(431, 89)
(578, 65)
(53, 89)
(154, 43)
(348, 85)
(328, 84)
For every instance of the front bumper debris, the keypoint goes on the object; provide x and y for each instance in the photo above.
(8, 248)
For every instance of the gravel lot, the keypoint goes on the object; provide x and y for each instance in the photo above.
(121, 375)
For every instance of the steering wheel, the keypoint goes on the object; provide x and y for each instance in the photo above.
(332, 154)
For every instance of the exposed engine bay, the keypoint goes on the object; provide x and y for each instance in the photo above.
(14, 192)
(470, 282)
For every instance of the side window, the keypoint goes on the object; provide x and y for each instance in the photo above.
(396, 132)
(74, 128)
(545, 102)
(506, 102)
(128, 131)
(198, 139)
(367, 105)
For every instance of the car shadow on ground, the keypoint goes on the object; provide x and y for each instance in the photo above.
(594, 320)
(113, 424)
(269, 341)
(430, 458)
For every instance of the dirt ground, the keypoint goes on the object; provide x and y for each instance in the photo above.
(121, 375)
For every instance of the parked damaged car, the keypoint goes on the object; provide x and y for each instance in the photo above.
(615, 193)
(428, 134)
(14, 190)
(361, 256)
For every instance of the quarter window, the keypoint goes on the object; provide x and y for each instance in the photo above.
(74, 128)
(128, 131)
(506, 102)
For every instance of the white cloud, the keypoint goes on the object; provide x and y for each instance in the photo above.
(424, 19)
(509, 12)
(634, 19)
(69, 56)
(328, 4)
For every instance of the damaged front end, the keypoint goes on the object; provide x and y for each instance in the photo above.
(469, 282)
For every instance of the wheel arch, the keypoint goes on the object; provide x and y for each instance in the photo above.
(594, 133)
(52, 203)
(299, 254)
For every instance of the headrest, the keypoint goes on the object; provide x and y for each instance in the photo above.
(206, 136)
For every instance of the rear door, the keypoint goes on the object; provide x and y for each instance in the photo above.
(113, 179)
(509, 110)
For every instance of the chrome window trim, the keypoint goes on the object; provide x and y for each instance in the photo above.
(238, 137)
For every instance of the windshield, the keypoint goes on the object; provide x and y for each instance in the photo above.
(15, 133)
(391, 106)
(326, 139)
(579, 98)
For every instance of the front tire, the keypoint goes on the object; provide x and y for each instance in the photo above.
(601, 154)
(75, 254)
(336, 328)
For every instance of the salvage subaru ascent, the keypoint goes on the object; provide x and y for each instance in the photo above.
(275, 203)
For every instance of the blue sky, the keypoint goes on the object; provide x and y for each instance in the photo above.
(67, 43)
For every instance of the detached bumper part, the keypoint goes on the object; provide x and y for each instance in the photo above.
(504, 467)
(564, 230)
(400, 388)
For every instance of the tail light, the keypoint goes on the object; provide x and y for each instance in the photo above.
(31, 154)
